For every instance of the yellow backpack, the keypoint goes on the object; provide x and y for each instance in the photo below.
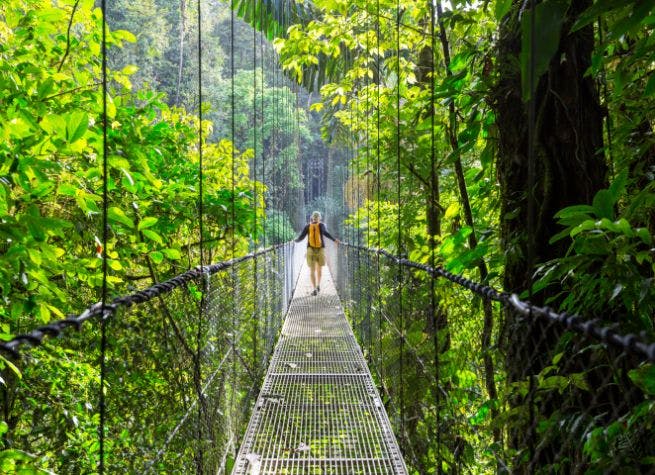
(314, 235)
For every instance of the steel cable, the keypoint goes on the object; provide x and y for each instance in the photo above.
(635, 344)
(35, 337)
(105, 239)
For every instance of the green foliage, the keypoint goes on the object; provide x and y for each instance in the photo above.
(548, 22)
(51, 147)
(277, 227)
(609, 266)
(51, 178)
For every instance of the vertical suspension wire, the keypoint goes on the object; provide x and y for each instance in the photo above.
(356, 150)
(378, 189)
(201, 213)
(433, 303)
(201, 307)
(232, 128)
(278, 142)
(352, 179)
(233, 362)
(105, 237)
(255, 289)
(354, 124)
(285, 169)
(298, 141)
(399, 197)
(368, 183)
(287, 125)
(276, 136)
(265, 193)
(263, 114)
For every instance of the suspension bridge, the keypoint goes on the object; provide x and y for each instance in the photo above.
(397, 366)
(318, 408)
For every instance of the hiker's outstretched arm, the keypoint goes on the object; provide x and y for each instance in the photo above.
(302, 234)
(327, 234)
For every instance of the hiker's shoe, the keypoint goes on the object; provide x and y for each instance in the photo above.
(314, 292)
(318, 289)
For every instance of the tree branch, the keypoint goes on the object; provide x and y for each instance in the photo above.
(68, 36)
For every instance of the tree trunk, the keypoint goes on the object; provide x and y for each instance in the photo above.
(568, 170)
(487, 328)
(568, 131)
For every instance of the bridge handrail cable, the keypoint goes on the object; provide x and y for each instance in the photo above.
(35, 337)
(591, 328)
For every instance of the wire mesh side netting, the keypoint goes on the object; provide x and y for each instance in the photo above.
(523, 397)
(179, 382)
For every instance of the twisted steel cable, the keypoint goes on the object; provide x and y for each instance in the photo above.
(36, 336)
(635, 344)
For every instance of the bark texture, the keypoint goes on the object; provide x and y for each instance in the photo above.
(569, 169)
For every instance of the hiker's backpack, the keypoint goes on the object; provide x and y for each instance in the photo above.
(314, 235)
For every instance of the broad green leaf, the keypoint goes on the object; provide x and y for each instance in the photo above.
(650, 86)
(645, 236)
(593, 12)
(624, 227)
(316, 107)
(172, 254)
(452, 211)
(644, 378)
(114, 265)
(587, 225)
(549, 18)
(116, 214)
(43, 313)
(76, 125)
(459, 61)
(12, 366)
(4, 200)
(577, 210)
(35, 256)
(56, 311)
(631, 22)
(54, 124)
(116, 161)
(111, 107)
(501, 8)
(147, 222)
(604, 204)
(19, 128)
(153, 236)
(124, 35)
(67, 189)
(156, 256)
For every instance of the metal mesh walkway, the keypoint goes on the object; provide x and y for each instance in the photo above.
(318, 411)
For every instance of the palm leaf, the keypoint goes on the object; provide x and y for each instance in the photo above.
(273, 18)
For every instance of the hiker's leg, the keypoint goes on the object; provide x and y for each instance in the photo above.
(312, 273)
(318, 274)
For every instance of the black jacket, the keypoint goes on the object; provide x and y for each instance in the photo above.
(321, 228)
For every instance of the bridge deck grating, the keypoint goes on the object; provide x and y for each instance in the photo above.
(318, 411)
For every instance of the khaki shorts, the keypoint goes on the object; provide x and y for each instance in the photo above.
(315, 254)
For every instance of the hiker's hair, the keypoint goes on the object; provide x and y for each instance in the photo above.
(316, 215)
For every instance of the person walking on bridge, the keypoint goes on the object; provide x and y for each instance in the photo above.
(315, 248)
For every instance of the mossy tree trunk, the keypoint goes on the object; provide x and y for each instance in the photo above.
(569, 169)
